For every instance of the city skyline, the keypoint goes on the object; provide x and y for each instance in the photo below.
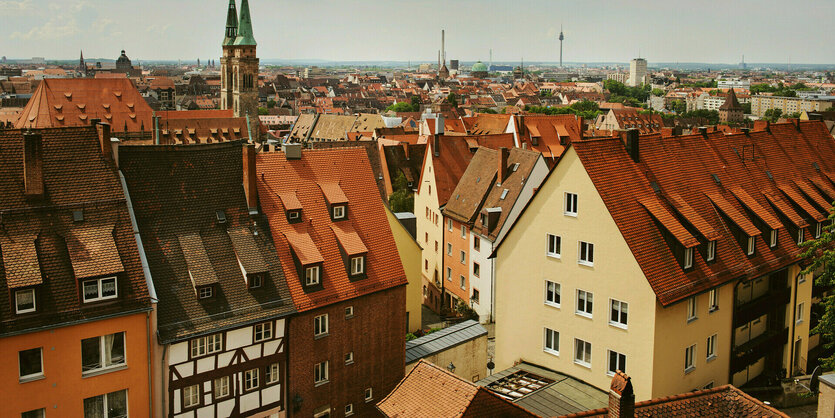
(375, 30)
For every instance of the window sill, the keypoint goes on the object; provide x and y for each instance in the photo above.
(553, 305)
(32, 378)
(689, 370)
(320, 336)
(711, 358)
(554, 256)
(551, 352)
(798, 322)
(104, 370)
(689, 320)
(713, 309)
(571, 214)
(618, 325)
(583, 314)
(584, 364)
(369, 400)
(324, 382)
(349, 362)
(585, 263)
(349, 316)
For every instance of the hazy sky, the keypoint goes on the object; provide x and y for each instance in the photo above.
(715, 31)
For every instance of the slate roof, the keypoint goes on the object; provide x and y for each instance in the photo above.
(39, 239)
(430, 391)
(564, 395)
(444, 339)
(349, 168)
(722, 401)
(176, 192)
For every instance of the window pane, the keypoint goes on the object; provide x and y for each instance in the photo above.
(108, 287)
(91, 289)
(90, 354)
(117, 404)
(94, 407)
(25, 299)
(114, 345)
(30, 362)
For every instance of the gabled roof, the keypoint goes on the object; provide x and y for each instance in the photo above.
(487, 124)
(177, 191)
(349, 168)
(454, 154)
(550, 133)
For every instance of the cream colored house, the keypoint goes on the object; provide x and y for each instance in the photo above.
(409, 251)
(789, 105)
(673, 260)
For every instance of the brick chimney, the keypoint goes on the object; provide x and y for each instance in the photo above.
(32, 164)
(249, 177)
(103, 131)
(632, 144)
(504, 153)
(621, 397)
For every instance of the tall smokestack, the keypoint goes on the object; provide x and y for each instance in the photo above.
(443, 51)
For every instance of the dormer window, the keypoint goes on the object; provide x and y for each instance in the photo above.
(772, 241)
(312, 275)
(688, 258)
(221, 216)
(339, 212)
(711, 251)
(357, 265)
(818, 229)
(205, 292)
(751, 245)
(294, 216)
(254, 281)
(800, 236)
(99, 289)
(24, 301)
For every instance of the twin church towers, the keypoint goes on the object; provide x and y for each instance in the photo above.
(239, 66)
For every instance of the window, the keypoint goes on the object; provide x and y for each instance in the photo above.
(818, 229)
(111, 405)
(586, 254)
(711, 347)
(349, 357)
(554, 246)
(713, 300)
(311, 275)
(585, 301)
(449, 274)
(552, 293)
(294, 215)
(476, 269)
(463, 231)
(37, 413)
(463, 257)
(552, 341)
(30, 364)
(751, 245)
(349, 410)
(617, 361)
(582, 352)
(191, 396)
(254, 280)
(24, 301)
(571, 204)
(263, 331)
(103, 352)
(799, 313)
(619, 313)
(205, 292)
(320, 372)
(800, 236)
(272, 373)
(251, 379)
(99, 289)
(436, 244)
(476, 243)
(463, 282)
(707, 386)
(449, 248)
(320, 325)
(357, 265)
(688, 257)
(690, 358)
(691, 309)
(221, 388)
(772, 241)
(349, 311)
(206, 345)
(338, 212)
(449, 224)
(475, 296)
(369, 394)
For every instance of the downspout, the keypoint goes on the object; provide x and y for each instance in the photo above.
(793, 307)
(156, 128)
(150, 366)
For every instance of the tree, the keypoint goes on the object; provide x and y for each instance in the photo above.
(270, 104)
(415, 103)
(773, 115)
(820, 253)
(452, 99)
(657, 92)
(402, 200)
(263, 111)
(746, 108)
(401, 107)
(615, 87)
(679, 106)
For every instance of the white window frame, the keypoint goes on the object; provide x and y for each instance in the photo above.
(312, 275)
(349, 357)
(357, 265)
(463, 257)
(205, 345)
(463, 231)
(205, 292)
(585, 362)
(710, 351)
(31, 376)
(320, 373)
(622, 309)
(799, 313)
(571, 204)
(17, 295)
(818, 229)
(320, 325)
(264, 329)
(589, 259)
(713, 300)
(751, 246)
(369, 394)
(554, 348)
(99, 284)
(191, 396)
(690, 359)
(349, 410)
(293, 215)
(251, 380)
(800, 236)
(449, 224)
(463, 281)
(102, 349)
(773, 238)
(555, 289)
(339, 212)
(272, 375)
(692, 311)
(688, 257)
(711, 251)
(588, 303)
(620, 362)
(104, 397)
(449, 248)
(553, 242)
(349, 312)
(476, 269)
(220, 387)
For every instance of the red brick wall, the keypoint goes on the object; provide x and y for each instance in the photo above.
(376, 336)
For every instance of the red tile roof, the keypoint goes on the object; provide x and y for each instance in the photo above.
(350, 170)
(93, 252)
(551, 133)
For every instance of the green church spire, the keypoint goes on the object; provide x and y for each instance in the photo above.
(231, 24)
(245, 36)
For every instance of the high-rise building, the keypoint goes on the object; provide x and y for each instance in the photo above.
(637, 72)
(239, 66)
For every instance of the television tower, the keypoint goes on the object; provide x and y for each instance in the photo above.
(561, 38)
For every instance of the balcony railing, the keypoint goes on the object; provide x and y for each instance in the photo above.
(756, 308)
(750, 352)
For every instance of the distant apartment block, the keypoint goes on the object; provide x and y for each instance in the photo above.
(789, 105)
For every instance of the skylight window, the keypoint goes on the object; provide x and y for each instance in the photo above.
(504, 194)
(221, 216)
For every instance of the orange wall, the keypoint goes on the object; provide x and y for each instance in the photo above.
(454, 261)
(63, 390)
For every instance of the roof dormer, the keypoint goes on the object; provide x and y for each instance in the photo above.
(23, 271)
(253, 267)
(337, 201)
(292, 206)
(352, 248)
(200, 270)
(307, 259)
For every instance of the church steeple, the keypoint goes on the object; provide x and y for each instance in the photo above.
(231, 24)
(245, 36)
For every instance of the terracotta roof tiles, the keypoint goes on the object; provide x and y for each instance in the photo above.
(93, 251)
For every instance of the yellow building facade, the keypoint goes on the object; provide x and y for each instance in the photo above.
(410, 253)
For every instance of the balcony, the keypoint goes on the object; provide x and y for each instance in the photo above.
(756, 308)
(750, 352)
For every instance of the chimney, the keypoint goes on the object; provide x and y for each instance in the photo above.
(103, 130)
(677, 130)
(32, 164)
(795, 122)
(621, 397)
(114, 149)
(582, 123)
(703, 131)
(502, 171)
(436, 146)
(746, 131)
(250, 188)
(632, 140)
(439, 124)
(292, 151)
(666, 132)
(405, 149)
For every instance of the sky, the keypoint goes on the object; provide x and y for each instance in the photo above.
(708, 31)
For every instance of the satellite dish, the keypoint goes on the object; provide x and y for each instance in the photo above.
(814, 384)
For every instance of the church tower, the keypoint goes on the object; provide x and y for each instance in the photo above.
(239, 67)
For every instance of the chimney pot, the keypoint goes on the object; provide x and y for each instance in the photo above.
(32, 164)
(504, 153)
(436, 146)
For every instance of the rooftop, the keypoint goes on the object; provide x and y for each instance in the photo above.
(443, 340)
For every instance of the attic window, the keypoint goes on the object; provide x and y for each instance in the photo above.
(357, 265)
(77, 215)
(772, 242)
(339, 212)
(752, 241)
(768, 173)
(254, 281)
(294, 216)
(515, 166)
(221, 216)
(504, 194)
(688, 258)
(312, 275)
(205, 292)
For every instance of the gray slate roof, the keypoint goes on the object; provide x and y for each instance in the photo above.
(566, 395)
(442, 340)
